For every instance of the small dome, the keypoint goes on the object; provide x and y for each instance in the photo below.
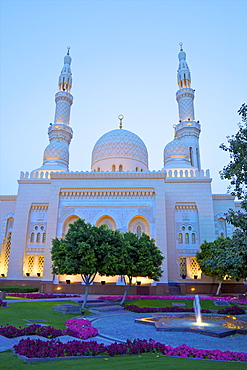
(181, 55)
(56, 153)
(119, 150)
(176, 155)
(67, 59)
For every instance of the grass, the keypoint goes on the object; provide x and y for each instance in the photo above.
(18, 313)
(207, 304)
(134, 362)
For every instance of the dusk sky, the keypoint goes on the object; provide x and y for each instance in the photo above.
(124, 61)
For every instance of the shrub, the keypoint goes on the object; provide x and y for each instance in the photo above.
(36, 348)
(234, 310)
(78, 328)
(3, 304)
(19, 289)
(134, 308)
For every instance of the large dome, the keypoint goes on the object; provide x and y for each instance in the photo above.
(119, 150)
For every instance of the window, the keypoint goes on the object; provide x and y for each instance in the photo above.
(113, 168)
(44, 238)
(98, 169)
(138, 230)
(120, 168)
(191, 156)
(187, 240)
(32, 238)
(38, 238)
(193, 235)
(180, 238)
(137, 169)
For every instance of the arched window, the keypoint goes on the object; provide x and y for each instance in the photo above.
(193, 235)
(32, 238)
(222, 235)
(113, 168)
(120, 168)
(38, 238)
(180, 238)
(191, 156)
(44, 238)
(138, 230)
(187, 240)
(98, 169)
(137, 169)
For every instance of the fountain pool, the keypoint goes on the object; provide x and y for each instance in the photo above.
(207, 324)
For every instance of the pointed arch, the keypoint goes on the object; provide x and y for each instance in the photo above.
(108, 221)
(138, 223)
(70, 220)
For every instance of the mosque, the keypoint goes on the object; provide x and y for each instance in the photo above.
(174, 205)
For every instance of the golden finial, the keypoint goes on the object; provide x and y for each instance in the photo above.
(68, 47)
(120, 117)
(181, 46)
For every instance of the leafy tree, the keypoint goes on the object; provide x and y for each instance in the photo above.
(139, 257)
(223, 258)
(86, 250)
(236, 170)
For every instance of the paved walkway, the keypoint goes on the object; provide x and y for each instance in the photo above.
(119, 326)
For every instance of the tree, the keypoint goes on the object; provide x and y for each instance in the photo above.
(86, 250)
(223, 259)
(236, 170)
(140, 257)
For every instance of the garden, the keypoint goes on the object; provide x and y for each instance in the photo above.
(18, 318)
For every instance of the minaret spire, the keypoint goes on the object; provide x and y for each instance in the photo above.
(56, 154)
(188, 130)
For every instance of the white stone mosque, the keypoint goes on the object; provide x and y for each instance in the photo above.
(174, 205)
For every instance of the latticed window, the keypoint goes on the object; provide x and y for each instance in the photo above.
(194, 267)
(44, 238)
(183, 269)
(30, 264)
(7, 253)
(138, 230)
(40, 265)
(180, 238)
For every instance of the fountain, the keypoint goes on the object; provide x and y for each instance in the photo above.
(212, 325)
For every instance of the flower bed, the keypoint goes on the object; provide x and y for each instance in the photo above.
(134, 308)
(234, 310)
(173, 298)
(3, 304)
(36, 348)
(41, 295)
(78, 328)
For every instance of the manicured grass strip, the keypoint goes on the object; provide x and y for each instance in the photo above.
(209, 305)
(18, 312)
(148, 361)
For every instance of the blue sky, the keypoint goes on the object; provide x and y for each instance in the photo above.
(124, 61)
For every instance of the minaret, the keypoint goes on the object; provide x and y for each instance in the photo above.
(187, 130)
(56, 154)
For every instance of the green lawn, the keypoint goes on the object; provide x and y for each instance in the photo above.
(18, 312)
(206, 304)
(134, 362)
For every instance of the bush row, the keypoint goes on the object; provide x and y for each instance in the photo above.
(19, 289)
(234, 310)
(36, 348)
